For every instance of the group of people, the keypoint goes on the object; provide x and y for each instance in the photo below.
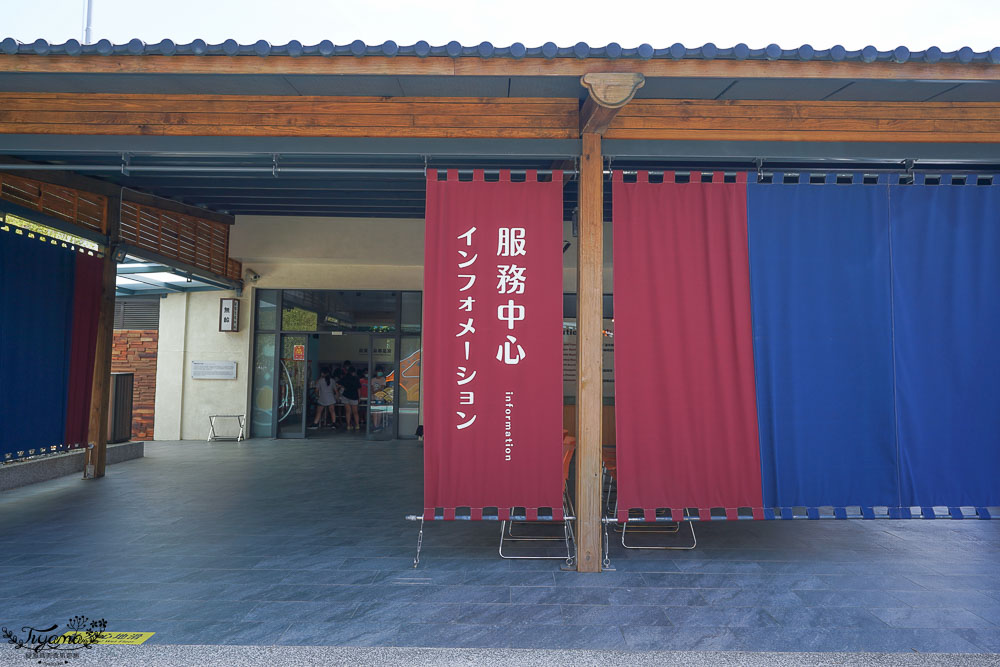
(347, 388)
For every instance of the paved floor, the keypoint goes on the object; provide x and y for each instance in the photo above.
(294, 543)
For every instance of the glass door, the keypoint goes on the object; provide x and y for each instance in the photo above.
(292, 389)
(408, 397)
(382, 387)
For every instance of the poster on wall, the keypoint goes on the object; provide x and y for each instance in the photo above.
(492, 342)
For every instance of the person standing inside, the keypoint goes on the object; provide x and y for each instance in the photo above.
(326, 397)
(350, 397)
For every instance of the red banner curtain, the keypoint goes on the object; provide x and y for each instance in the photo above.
(86, 306)
(684, 378)
(492, 350)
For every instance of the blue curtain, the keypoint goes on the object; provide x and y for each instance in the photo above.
(946, 308)
(819, 275)
(36, 318)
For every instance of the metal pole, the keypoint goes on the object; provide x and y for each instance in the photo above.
(89, 14)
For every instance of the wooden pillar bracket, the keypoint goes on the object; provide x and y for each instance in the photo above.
(608, 92)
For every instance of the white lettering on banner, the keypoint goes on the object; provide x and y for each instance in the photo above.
(510, 242)
(508, 441)
(510, 279)
(508, 354)
(467, 236)
(465, 265)
(467, 424)
(466, 305)
(510, 312)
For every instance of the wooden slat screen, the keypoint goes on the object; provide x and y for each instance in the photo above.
(235, 270)
(194, 241)
(85, 209)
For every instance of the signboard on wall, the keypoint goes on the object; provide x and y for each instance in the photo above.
(298, 353)
(229, 315)
(213, 370)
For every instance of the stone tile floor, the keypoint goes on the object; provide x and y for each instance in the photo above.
(303, 542)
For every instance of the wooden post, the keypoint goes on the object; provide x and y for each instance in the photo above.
(608, 94)
(589, 319)
(100, 395)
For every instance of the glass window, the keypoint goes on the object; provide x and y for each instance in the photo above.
(330, 310)
(411, 312)
(267, 309)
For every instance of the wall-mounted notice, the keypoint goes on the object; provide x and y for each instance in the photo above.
(213, 370)
(229, 315)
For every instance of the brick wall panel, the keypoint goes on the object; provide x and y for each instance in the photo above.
(134, 352)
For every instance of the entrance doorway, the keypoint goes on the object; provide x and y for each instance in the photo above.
(375, 334)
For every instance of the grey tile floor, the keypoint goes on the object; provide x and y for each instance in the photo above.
(293, 543)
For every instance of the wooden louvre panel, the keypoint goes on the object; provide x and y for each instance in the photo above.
(86, 209)
(200, 243)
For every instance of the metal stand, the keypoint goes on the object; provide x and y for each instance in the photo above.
(420, 542)
(240, 419)
(670, 530)
(568, 537)
(507, 533)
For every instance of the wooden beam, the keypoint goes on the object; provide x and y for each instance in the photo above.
(589, 320)
(100, 395)
(437, 66)
(738, 120)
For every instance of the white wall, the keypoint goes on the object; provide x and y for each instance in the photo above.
(189, 331)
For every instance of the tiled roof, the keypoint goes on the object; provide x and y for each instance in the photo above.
(230, 47)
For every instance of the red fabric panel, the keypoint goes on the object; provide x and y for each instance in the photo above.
(86, 306)
(704, 514)
(732, 514)
(684, 379)
(476, 513)
(501, 445)
(677, 514)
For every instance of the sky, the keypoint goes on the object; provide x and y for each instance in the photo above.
(854, 24)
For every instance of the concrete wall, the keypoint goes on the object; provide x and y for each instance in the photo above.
(189, 331)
